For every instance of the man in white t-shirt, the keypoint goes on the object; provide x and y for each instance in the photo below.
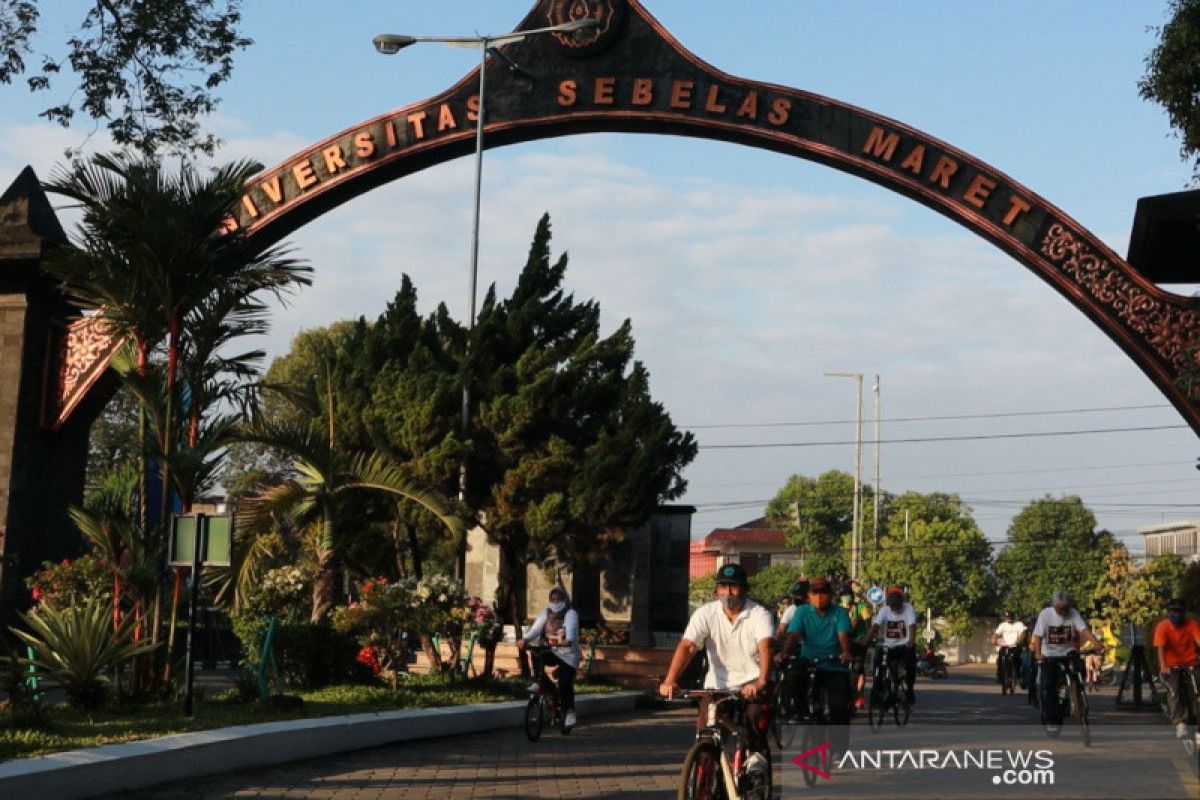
(799, 597)
(736, 634)
(1007, 637)
(897, 621)
(1057, 634)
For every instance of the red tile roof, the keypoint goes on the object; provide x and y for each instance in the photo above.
(745, 535)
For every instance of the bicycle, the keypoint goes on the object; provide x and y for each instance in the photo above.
(1189, 697)
(891, 692)
(820, 714)
(715, 766)
(545, 702)
(1008, 670)
(787, 713)
(1069, 697)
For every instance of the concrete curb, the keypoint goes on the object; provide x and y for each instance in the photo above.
(138, 765)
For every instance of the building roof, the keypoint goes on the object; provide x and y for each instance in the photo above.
(1168, 527)
(745, 535)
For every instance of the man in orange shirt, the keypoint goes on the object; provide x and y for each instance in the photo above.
(1178, 641)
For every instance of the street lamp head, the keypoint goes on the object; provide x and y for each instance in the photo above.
(391, 43)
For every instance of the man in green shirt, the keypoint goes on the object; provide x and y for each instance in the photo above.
(860, 625)
(823, 631)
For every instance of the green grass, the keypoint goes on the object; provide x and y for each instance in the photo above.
(65, 728)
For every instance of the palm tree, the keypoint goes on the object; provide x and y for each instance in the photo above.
(153, 247)
(151, 252)
(326, 476)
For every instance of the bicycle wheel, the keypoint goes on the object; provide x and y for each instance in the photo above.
(940, 673)
(757, 785)
(701, 778)
(1079, 711)
(901, 709)
(534, 719)
(812, 738)
(877, 707)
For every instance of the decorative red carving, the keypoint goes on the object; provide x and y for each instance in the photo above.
(83, 355)
(1170, 329)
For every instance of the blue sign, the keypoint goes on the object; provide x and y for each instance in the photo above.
(875, 595)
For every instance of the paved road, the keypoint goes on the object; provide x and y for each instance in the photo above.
(638, 755)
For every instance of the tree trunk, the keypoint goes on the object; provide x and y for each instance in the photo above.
(325, 585)
(489, 660)
(414, 550)
(435, 658)
(510, 586)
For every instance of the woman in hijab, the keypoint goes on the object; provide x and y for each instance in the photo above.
(558, 625)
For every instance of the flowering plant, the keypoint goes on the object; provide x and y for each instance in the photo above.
(388, 616)
(71, 583)
(483, 620)
(283, 591)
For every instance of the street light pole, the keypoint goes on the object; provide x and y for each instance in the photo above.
(856, 530)
(878, 441)
(392, 43)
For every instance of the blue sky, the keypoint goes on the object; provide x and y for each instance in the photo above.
(748, 274)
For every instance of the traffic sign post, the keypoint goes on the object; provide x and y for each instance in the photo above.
(875, 595)
(198, 540)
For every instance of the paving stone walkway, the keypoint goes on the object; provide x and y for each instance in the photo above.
(633, 755)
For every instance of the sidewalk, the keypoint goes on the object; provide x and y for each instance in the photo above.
(138, 765)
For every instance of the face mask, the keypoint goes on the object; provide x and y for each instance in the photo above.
(1175, 617)
(557, 606)
(732, 603)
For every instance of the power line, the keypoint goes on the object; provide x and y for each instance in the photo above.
(994, 415)
(972, 438)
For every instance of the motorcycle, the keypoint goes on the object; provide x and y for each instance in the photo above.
(932, 665)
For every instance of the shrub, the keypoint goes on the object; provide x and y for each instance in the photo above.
(71, 582)
(308, 655)
(75, 645)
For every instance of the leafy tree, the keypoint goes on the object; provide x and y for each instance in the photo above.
(148, 69)
(1189, 587)
(1165, 574)
(1053, 544)
(943, 557)
(1124, 594)
(113, 440)
(817, 516)
(318, 500)
(701, 590)
(1172, 77)
(567, 447)
(772, 583)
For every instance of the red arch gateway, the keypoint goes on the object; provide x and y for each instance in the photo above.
(629, 74)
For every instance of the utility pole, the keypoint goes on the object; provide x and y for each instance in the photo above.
(878, 487)
(856, 529)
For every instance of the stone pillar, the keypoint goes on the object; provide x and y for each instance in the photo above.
(41, 468)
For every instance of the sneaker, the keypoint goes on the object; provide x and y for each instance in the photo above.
(1052, 727)
(570, 721)
(1181, 730)
(859, 702)
(756, 763)
(533, 687)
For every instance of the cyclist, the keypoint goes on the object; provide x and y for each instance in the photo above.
(799, 597)
(1178, 641)
(824, 631)
(558, 624)
(736, 633)
(860, 625)
(1055, 645)
(898, 621)
(1008, 636)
